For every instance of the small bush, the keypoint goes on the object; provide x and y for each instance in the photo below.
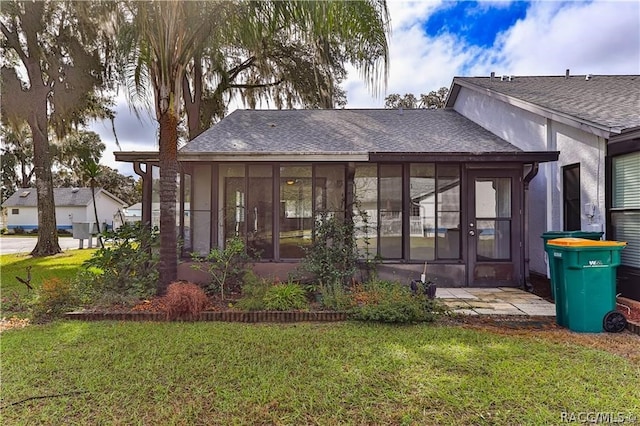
(4, 231)
(55, 297)
(226, 266)
(126, 264)
(15, 302)
(335, 297)
(18, 230)
(391, 302)
(254, 288)
(285, 297)
(184, 301)
(333, 255)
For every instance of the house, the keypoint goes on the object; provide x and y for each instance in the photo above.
(469, 189)
(133, 213)
(421, 185)
(594, 122)
(73, 205)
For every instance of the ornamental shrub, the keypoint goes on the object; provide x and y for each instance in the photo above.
(285, 297)
(226, 266)
(254, 288)
(53, 299)
(126, 266)
(391, 302)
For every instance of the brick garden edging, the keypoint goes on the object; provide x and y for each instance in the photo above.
(223, 316)
(632, 326)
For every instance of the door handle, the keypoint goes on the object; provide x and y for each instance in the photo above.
(472, 232)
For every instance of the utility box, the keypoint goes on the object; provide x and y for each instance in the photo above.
(84, 231)
(585, 271)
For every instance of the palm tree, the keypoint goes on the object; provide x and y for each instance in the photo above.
(159, 39)
(91, 171)
(165, 43)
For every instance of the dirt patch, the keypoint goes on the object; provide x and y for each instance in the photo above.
(13, 322)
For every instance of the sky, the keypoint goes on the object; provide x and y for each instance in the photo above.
(432, 42)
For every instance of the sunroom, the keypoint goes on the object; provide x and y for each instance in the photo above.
(420, 185)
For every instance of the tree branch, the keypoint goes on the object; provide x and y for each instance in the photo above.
(233, 72)
(255, 86)
(14, 43)
(56, 395)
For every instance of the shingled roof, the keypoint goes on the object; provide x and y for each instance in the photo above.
(610, 102)
(62, 197)
(346, 131)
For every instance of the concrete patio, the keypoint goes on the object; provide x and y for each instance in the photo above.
(495, 301)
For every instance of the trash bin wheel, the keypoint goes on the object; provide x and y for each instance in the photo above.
(614, 322)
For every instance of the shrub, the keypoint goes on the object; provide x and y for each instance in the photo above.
(54, 298)
(15, 302)
(184, 301)
(126, 264)
(226, 266)
(253, 290)
(333, 256)
(334, 296)
(392, 302)
(285, 297)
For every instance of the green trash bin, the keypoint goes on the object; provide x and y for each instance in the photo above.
(551, 235)
(586, 281)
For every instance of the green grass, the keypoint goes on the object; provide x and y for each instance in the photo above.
(346, 373)
(63, 266)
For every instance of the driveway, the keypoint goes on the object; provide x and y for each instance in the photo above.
(26, 244)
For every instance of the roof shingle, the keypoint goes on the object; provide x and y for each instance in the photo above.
(62, 197)
(346, 131)
(611, 101)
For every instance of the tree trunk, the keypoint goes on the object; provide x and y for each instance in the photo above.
(168, 154)
(47, 231)
(193, 98)
(95, 213)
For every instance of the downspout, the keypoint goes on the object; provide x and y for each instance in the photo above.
(525, 238)
(146, 191)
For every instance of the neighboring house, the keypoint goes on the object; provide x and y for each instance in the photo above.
(133, 213)
(73, 205)
(436, 187)
(594, 122)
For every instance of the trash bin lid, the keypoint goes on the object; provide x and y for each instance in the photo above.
(583, 242)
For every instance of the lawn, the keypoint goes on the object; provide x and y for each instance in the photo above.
(343, 373)
(63, 266)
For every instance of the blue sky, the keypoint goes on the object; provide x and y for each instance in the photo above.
(475, 22)
(434, 41)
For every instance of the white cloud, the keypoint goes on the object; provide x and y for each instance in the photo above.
(587, 37)
(595, 37)
(598, 38)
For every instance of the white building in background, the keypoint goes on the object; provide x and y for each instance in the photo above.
(73, 205)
